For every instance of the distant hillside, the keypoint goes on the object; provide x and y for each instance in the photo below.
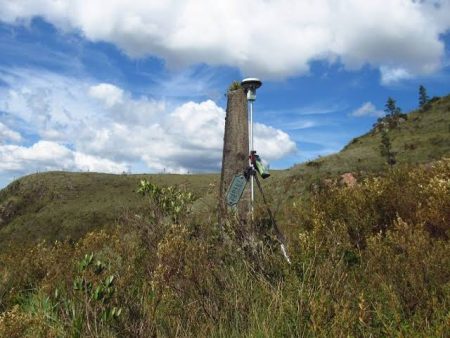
(423, 137)
(59, 205)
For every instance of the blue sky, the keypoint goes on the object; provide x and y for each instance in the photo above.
(139, 86)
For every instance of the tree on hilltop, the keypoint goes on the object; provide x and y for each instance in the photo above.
(393, 113)
(391, 108)
(423, 97)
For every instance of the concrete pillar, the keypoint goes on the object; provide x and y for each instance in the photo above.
(235, 151)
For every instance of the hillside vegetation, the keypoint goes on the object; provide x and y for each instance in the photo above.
(372, 259)
(59, 205)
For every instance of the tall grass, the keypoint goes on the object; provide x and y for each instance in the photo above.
(371, 260)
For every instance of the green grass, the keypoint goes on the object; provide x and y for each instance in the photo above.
(59, 205)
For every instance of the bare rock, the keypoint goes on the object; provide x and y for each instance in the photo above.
(348, 180)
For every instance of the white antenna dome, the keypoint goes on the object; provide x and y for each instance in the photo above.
(250, 85)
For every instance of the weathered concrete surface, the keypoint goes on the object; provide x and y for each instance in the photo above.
(235, 151)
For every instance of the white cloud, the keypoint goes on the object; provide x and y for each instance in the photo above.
(272, 143)
(107, 93)
(108, 128)
(86, 162)
(278, 39)
(46, 155)
(393, 75)
(6, 134)
(51, 106)
(367, 109)
(297, 125)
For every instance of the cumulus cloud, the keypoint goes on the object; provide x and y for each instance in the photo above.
(279, 38)
(393, 75)
(269, 140)
(101, 127)
(367, 109)
(46, 155)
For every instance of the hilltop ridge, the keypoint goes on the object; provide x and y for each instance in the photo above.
(424, 136)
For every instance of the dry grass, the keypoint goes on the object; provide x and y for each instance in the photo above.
(372, 260)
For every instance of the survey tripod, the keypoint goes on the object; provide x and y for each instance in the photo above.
(256, 166)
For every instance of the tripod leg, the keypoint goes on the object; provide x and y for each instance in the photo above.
(278, 233)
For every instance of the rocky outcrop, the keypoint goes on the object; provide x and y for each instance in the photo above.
(348, 180)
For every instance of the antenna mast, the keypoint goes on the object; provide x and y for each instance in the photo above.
(250, 85)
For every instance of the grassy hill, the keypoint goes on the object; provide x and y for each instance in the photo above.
(60, 205)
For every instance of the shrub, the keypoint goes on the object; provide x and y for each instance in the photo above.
(314, 164)
(167, 201)
(235, 85)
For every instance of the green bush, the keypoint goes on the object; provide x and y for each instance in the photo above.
(235, 85)
(167, 201)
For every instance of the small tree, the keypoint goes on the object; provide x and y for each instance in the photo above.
(423, 97)
(391, 108)
(386, 148)
(393, 113)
